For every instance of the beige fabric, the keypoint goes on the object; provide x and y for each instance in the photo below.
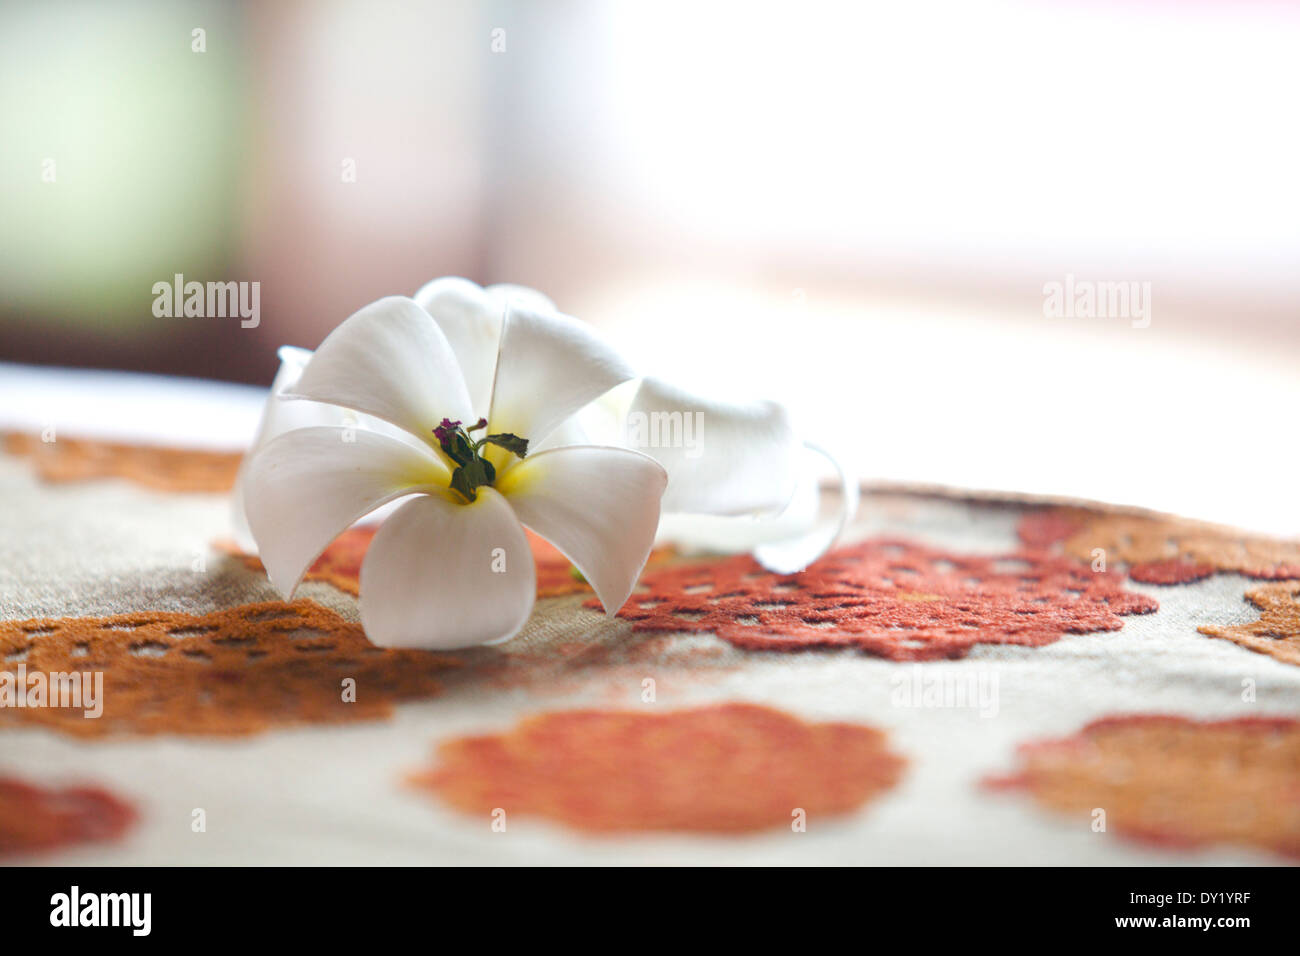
(336, 794)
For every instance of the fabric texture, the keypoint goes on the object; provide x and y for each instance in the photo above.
(948, 643)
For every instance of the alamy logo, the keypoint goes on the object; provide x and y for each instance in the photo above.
(215, 300)
(683, 430)
(78, 690)
(966, 689)
(102, 909)
(1086, 299)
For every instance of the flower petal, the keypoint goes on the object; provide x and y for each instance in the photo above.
(568, 432)
(784, 543)
(277, 418)
(305, 487)
(521, 295)
(788, 555)
(721, 457)
(280, 416)
(599, 506)
(471, 320)
(470, 316)
(392, 361)
(445, 575)
(550, 365)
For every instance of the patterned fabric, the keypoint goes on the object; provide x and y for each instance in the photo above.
(1173, 781)
(35, 820)
(681, 770)
(236, 671)
(889, 597)
(960, 681)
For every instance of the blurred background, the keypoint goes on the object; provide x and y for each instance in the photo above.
(855, 208)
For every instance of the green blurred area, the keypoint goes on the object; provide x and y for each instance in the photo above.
(145, 139)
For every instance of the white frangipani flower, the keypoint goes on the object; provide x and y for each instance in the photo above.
(472, 316)
(474, 398)
(738, 477)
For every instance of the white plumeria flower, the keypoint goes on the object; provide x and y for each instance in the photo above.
(464, 306)
(451, 567)
(739, 481)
